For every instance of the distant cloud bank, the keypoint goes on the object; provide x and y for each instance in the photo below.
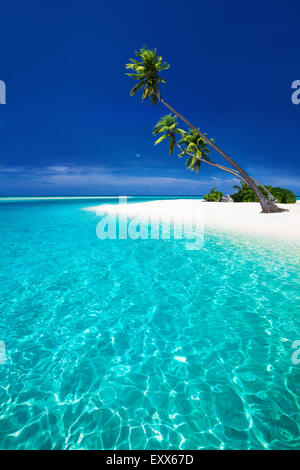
(72, 179)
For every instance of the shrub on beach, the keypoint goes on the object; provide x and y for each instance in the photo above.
(245, 194)
(213, 195)
(284, 196)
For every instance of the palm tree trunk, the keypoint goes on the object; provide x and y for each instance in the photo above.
(229, 170)
(216, 165)
(237, 174)
(270, 195)
(267, 206)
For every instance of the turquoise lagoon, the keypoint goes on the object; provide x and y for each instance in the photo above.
(141, 344)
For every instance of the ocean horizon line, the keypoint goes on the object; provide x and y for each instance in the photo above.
(18, 198)
(99, 196)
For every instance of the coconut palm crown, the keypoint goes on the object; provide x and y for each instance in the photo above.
(190, 143)
(195, 147)
(146, 71)
(167, 126)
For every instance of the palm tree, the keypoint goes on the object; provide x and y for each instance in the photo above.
(195, 147)
(195, 144)
(146, 69)
(167, 126)
(146, 73)
(190, 145)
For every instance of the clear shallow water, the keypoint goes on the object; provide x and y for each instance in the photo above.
(143, 344)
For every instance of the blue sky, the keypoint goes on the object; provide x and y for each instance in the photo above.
(70, 127)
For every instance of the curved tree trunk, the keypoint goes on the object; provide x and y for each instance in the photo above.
(267, 206)
(216, 165)
(270, 195)
(229, 170)
(237, 174)
(232, 171)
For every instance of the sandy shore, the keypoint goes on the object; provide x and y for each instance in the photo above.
(235, 217)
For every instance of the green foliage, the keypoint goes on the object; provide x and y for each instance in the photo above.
(193, 164)
(213, 195)
(283, 196)
(195, 148)
(190, 143)
(245, 194)
(167, 126)
(146, 72)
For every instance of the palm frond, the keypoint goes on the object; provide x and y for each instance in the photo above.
(136, 88)
(196, 146)
(165, 123)
(161, 138)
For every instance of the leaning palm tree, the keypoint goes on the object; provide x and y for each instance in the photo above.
(146, 70)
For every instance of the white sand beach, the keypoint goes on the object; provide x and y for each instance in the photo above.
(235, 217)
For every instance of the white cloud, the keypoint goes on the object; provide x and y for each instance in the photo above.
(217, 180)
(87, 177)
(278, 177)
(98, 178)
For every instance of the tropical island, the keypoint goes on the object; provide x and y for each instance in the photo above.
(279, 215)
